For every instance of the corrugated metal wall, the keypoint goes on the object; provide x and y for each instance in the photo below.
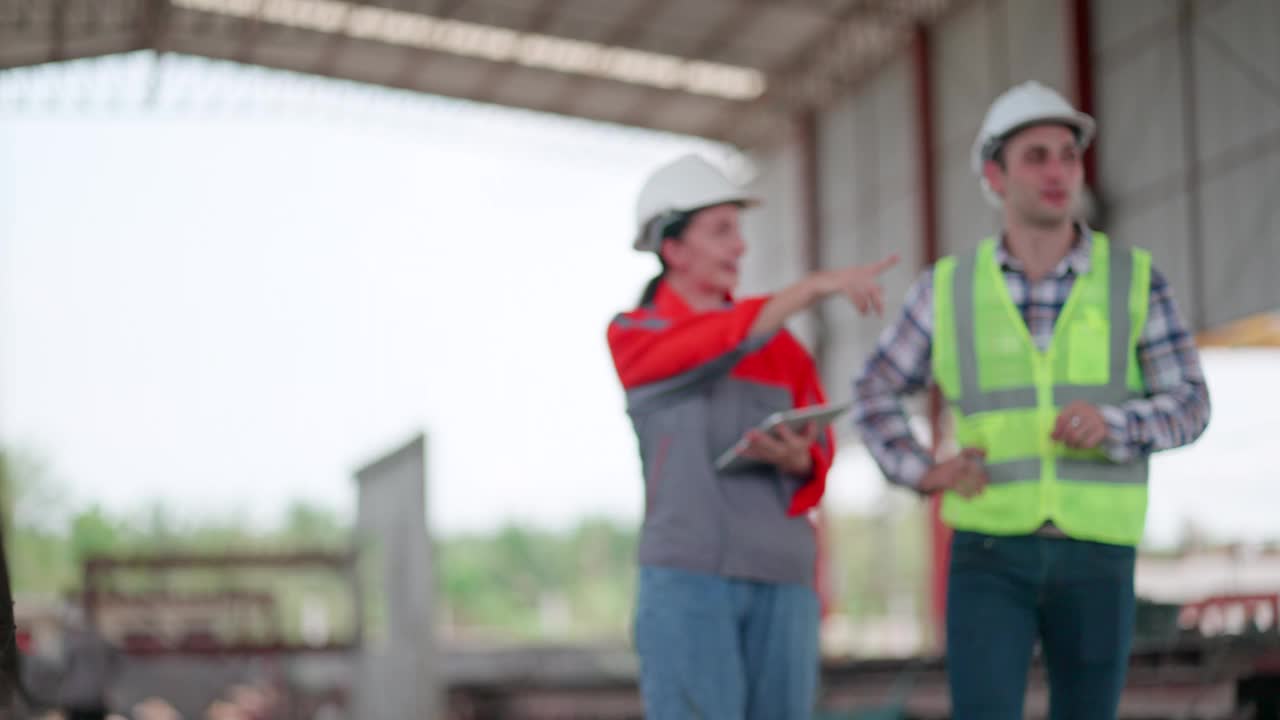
(1140, 151)
(978, 52)
(775, 231)
(1189, 106)
(1188, 103)
(869, 200)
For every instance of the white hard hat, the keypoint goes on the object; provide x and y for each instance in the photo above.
(686, 184)
(1022, 106)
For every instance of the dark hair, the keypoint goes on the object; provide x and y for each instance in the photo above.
(994, 151)
(651, 288)
(673, 226)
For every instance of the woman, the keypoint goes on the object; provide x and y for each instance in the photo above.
(726, 613)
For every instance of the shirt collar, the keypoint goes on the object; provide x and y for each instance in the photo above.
(1076, 262)
(668, 303)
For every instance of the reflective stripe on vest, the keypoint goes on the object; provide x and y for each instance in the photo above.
(1005, 394)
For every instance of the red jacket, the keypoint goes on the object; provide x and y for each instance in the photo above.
(667, 338)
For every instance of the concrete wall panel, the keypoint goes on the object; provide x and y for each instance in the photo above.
(1161, 228)
(1237, 75)
(1241, 241)
(1036, 42)
(870, 208)
(1200, 203)
(969, 67)
(1140, 121)
(1116, 25)
(775, 230)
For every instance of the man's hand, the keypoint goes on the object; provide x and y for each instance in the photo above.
(1080, 426)
(785, 448)
(963, 473)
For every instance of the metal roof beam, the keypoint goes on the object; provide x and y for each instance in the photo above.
(153, 25)
(866, 33)
(625, 33)
(416, 59)
(491, 84)
(332, 53)
(249, 39)
(58, 31)
(645, 113)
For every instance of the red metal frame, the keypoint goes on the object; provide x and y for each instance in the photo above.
(1192, 612)
(810, 181)
(926, 153)
(1079, 16)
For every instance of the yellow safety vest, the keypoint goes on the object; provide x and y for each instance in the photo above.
(1005, 394)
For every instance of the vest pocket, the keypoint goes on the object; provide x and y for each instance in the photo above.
(1086, 366)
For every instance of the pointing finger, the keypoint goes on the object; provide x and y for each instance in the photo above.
(885, 264)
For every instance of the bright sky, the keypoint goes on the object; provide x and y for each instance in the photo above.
(237, 296)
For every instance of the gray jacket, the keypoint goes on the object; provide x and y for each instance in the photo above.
(696, 518)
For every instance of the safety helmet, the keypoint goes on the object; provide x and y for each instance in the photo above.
(1020, 107)
(682, 186)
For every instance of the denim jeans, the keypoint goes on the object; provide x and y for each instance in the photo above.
(1005, 593)
(719, 648)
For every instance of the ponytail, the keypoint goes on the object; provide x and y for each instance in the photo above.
(670, 226)
(651, 289)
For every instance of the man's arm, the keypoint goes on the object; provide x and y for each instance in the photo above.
(900, 366)
(1176, 409)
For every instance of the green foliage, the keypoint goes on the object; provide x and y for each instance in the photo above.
(94, 532)
(519, 583)
(505, 584)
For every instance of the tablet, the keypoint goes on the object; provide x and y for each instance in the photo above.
(820, 415)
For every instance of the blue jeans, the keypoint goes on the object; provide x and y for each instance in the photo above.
(1004, 593)
(717, 648)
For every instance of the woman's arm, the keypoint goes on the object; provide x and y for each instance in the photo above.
(648, 347)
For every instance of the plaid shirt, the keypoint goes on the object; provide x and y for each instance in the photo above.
(1174, 412)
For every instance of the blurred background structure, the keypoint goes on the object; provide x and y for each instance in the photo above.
(852, 118)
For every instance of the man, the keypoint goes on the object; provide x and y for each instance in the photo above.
(1065, 364)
